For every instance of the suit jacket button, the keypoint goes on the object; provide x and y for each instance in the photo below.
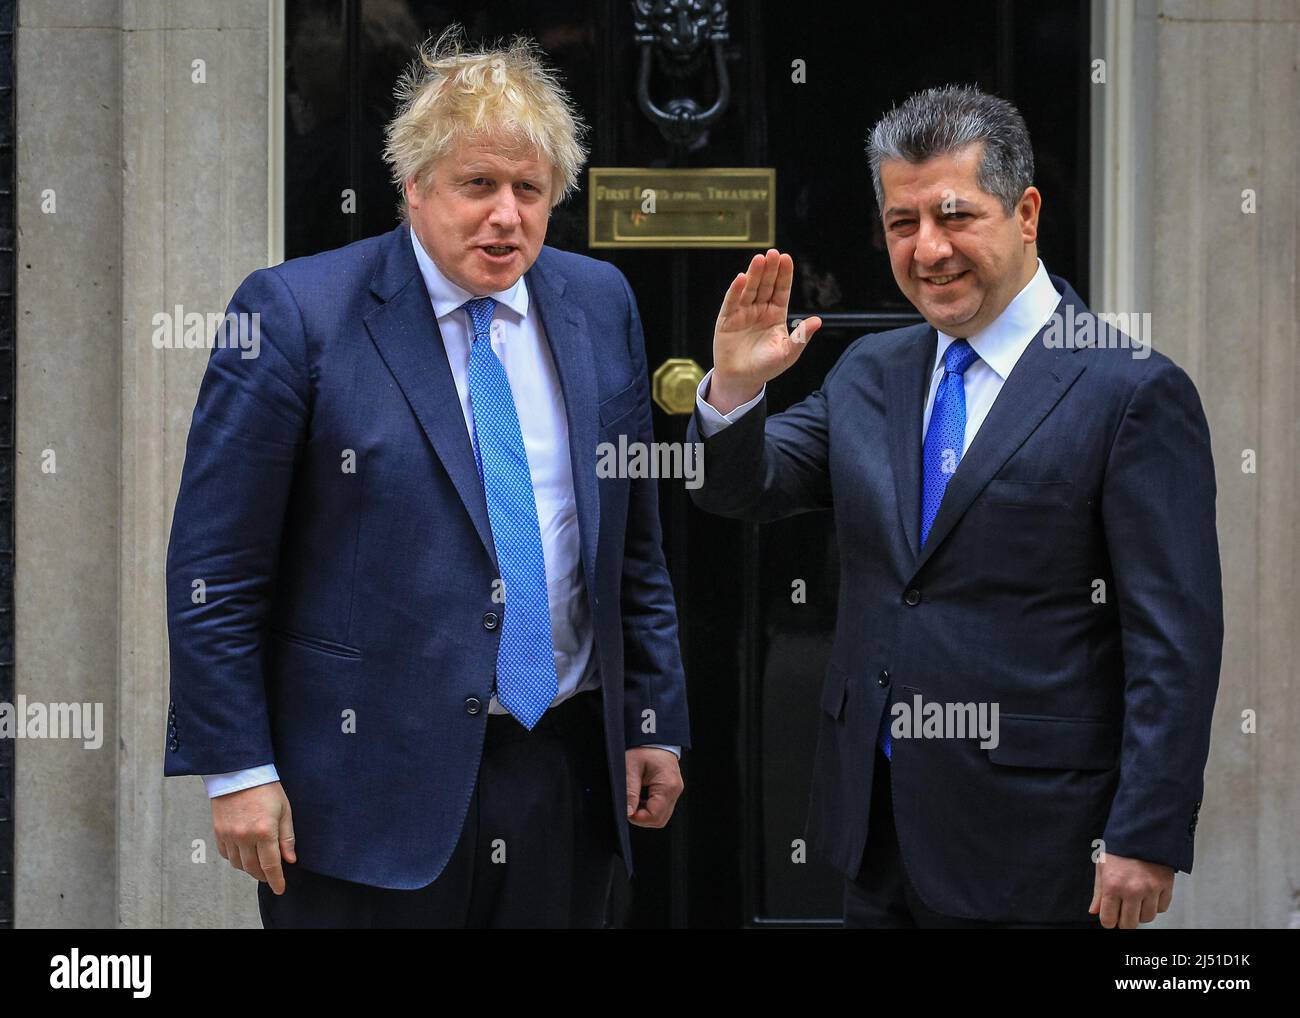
(884, 677)
(473, 705)
(173, 745)
(490, 620)
(912, 598)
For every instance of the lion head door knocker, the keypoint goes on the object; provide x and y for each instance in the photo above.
(679, 37)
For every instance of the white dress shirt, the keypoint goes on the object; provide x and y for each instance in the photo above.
(519, 341)
(999, 345)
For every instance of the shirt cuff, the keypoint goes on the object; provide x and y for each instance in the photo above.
(711, 422)
(674, 750)
(237, 781)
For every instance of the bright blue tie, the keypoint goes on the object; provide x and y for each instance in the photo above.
(942, 451)
(946, 434)
(526, 679)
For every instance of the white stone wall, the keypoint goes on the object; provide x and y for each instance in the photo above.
(161, 190)
(1225, 305)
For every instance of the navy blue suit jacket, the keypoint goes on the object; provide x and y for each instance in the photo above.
(326, 591)
(1091, 465)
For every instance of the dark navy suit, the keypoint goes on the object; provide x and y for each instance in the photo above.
(1091, 465)
(371, 591)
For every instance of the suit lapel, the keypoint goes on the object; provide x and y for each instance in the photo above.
(1036, 384)
(570, 343)
(406, 332)
(905, 388)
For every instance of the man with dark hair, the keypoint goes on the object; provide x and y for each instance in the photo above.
(1024, 499)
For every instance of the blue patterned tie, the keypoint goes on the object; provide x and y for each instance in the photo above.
(947, 432)
(526, 679)
(942, 451)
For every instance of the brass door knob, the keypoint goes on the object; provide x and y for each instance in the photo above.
(674, 383)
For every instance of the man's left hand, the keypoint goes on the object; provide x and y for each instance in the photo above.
(656, 771)
(1129, 891)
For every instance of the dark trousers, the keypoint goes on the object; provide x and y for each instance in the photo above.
(539, 846)
(882, 896)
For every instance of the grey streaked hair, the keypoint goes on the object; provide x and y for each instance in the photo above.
(939, 120)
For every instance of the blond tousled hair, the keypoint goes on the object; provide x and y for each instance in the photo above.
(451, 94)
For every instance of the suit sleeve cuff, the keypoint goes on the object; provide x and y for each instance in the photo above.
(711, 422)
(674, 750)
(237, 781)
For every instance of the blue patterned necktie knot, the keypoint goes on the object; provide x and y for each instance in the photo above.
(481, 310)
(958, 357)
(526, 679)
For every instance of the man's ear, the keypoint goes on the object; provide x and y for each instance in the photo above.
(1031, 203)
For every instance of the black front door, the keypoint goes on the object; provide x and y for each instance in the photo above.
(757, 604)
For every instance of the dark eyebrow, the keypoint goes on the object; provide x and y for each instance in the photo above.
(957, 203)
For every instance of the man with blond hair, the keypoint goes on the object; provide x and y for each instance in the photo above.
(419, 652)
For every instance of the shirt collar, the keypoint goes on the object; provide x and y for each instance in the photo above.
(447, 296)
(1001, 342)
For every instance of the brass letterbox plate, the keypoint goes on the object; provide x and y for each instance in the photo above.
(653, 208)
